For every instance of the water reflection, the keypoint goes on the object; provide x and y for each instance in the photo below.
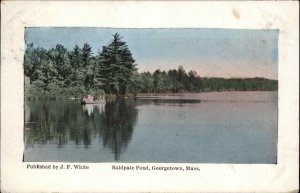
(89, 108)
(164, 101)
(68, 123)
(117, 124)
(229, 127)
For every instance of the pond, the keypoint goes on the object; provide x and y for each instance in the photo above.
(214, 127)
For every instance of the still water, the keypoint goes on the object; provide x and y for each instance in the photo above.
(216, 127)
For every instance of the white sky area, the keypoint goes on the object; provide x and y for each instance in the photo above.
(210, 52)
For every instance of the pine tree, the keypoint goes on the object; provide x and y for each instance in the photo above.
(87, 66)
(75, 57)
(116, 67)
(86, 54)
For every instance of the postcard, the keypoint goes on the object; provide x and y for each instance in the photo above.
(149, 96)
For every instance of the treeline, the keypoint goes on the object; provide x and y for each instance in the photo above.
(58, 72)
(177, 80)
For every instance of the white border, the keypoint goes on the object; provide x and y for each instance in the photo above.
(16, 15)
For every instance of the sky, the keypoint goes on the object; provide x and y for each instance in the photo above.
(210, 52)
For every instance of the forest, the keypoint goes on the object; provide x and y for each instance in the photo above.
(62, 73)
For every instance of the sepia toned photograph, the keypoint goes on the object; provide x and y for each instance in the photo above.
(150, 95)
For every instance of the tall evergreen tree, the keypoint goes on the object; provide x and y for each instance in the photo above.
(86, 54)
(75, 57)
(116, 66)
(87, 66)
(78, 74)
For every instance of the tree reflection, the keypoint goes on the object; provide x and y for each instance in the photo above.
(117, 125)
(61, 123)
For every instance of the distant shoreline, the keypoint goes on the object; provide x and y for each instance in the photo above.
(163, 93)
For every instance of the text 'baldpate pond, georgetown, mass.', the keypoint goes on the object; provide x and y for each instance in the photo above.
(157, 168)
(167, 95)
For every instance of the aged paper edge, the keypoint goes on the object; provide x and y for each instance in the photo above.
(16, 15)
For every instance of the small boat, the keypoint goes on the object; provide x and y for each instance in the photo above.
(89, 99)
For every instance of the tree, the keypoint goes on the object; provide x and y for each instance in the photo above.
(77, 75)
(173, 80)
(194, 81)
(86, 54)
(158, 81)
(87, 66)
(75, 57)
(145, 82)
(34, 62)
(116, 67)
(59, 60)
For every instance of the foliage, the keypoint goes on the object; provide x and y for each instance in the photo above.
(180, 81)
(60, 73)
(116, 67)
